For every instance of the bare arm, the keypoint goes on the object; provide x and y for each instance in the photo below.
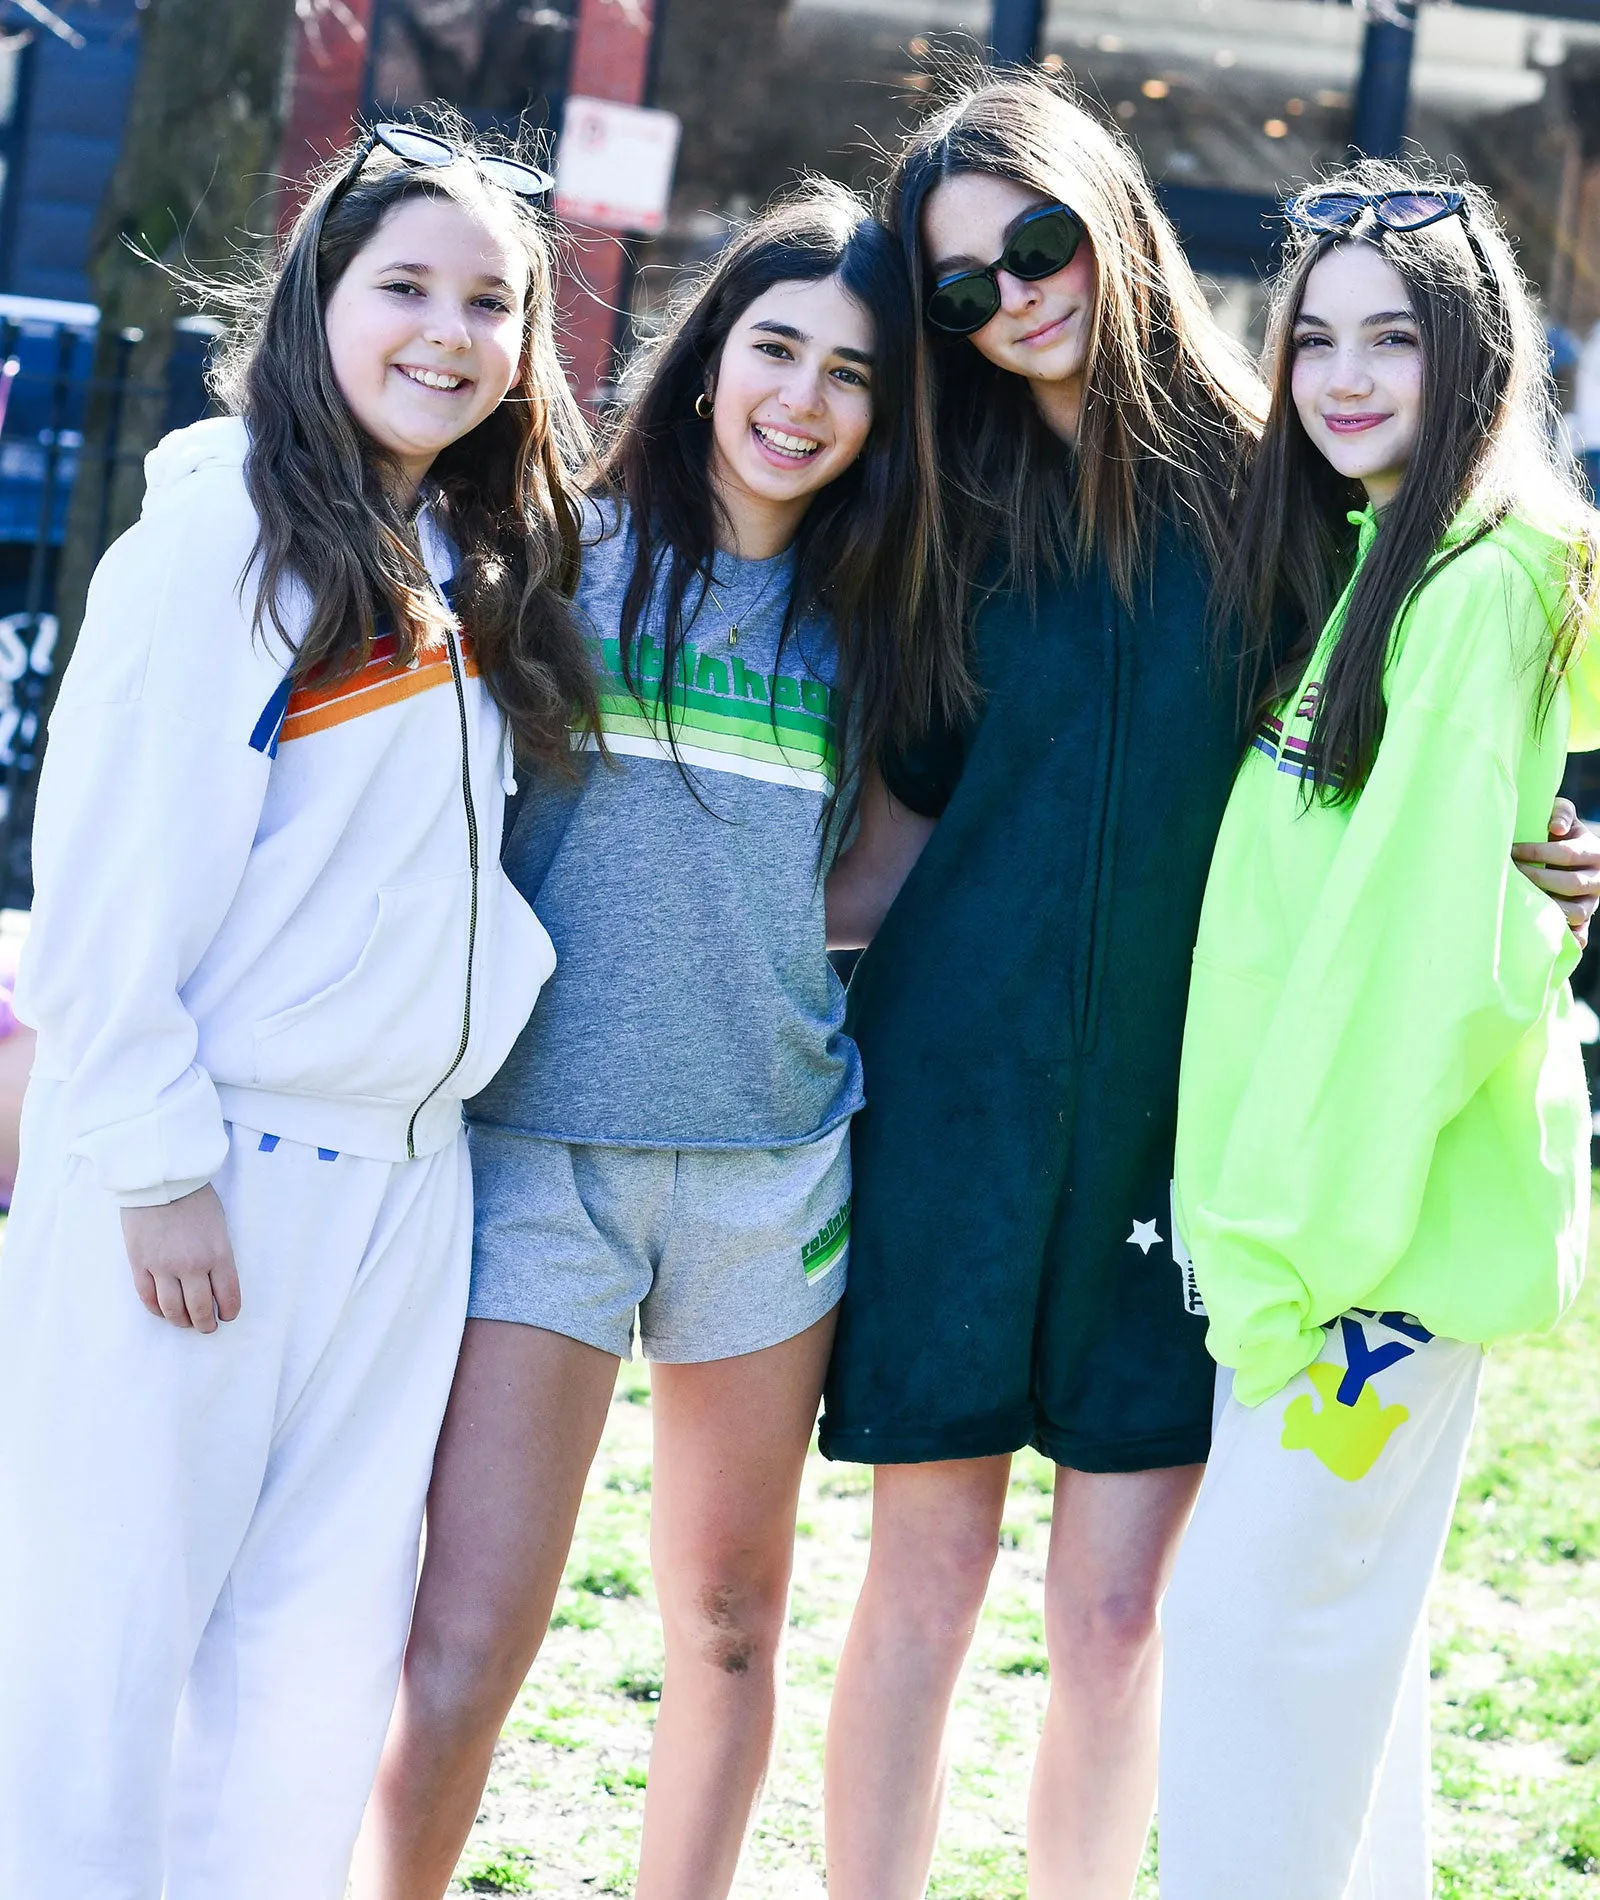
(866, 878)
(1566, 868)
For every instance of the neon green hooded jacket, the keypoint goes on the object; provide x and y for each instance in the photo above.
(1382, 1101)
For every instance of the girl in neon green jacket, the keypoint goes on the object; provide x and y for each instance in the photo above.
(1382, 1101)
(1383, 1128)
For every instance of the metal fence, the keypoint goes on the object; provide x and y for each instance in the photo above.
(46, 385)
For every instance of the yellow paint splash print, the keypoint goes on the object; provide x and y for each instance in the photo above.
(1346, 1438)
(1352, 1426)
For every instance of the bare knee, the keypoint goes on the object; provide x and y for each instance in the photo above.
(729, 1614)
(741, 1623)
(1105, 1635)
(933, 1591)
(464, 1671)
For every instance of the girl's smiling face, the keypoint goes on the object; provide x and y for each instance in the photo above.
(1357, 369)
(792, 406)
(1042, 330)
(425, 329)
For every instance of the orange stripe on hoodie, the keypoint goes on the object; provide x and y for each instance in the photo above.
(383, 681)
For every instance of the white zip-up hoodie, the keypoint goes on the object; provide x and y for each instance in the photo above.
(257, 901)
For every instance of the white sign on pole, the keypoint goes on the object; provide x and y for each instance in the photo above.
(614, 165)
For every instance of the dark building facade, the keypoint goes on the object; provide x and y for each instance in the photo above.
(1229, 102)
(61, 114)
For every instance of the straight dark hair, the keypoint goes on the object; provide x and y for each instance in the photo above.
(1487, 442)
(867, 551)
(325, 492)
(1170, 401)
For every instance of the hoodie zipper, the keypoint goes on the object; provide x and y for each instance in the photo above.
(472, 912)
(1095, 906)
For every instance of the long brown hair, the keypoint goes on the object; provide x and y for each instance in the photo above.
(867, 549)
(324, 491)
(1170, 401)
(1486, 439)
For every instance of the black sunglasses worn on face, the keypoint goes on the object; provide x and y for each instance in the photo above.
(1393, 210)
(1044, 242)
(429, 150)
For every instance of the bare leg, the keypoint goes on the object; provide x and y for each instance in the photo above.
(730, 1445)
(525, 1418)
(935, 1531)
(1113, 1538)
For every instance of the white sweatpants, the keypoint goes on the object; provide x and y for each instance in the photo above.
(1294, 1741)
(208, 1544)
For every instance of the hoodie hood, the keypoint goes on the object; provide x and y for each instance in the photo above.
(218, 442)
(1583, 681)
(1544, 558)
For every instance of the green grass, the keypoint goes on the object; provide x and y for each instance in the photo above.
(497, 1873)
(1516, 1671)
(1516, 1658)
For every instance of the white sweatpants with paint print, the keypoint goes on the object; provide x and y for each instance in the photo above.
(1294, 1744)
(208, 1544)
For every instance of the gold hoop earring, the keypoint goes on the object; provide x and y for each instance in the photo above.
(702, 406)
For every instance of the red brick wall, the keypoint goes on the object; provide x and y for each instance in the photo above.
(330, 65)
(610, 60)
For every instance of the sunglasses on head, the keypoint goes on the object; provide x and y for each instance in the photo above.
(1045, 241)
(428, 150)
(1393, 210)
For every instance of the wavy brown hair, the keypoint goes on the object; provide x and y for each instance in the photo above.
(1486, 441)
(326, 494)
(1170, 400)
(867, 551)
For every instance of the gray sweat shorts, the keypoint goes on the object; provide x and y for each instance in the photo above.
(719, 1251)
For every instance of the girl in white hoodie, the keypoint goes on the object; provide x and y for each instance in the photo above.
(272, 952)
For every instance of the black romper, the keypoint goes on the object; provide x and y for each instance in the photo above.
(1012, 1277)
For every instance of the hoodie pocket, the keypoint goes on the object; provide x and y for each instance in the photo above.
(391, 1026)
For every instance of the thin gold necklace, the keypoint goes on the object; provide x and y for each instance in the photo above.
(751, 611)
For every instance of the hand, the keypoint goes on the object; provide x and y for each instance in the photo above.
(182, 1260)
(1566, 868)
